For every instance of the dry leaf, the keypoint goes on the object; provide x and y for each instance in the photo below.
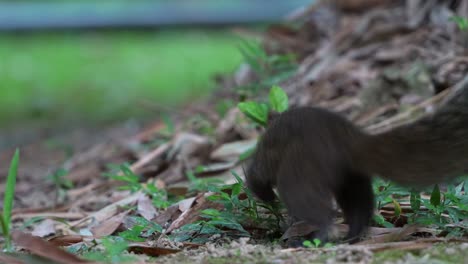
(44, 248)
(109, 210)
(66, 240)
(143, 248)
(192, 214)
(231, 151)
(109, 226)
(4, 258)
(145, 208)
(45, 228)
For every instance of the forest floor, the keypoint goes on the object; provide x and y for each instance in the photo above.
(173, 192)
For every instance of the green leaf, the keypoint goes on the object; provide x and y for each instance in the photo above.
(255, 111)
(415, 200)
(169, 124)
(454, 214)
(236, 189)
(227, 224)
(379, 219)
(397, 207)
(211, 212)
(459, 188)
(461, 22)
(114, 247)
(307, 244)
(8, 198)
(435, 196)
(278, 99)
(133, 234)
(317, 242)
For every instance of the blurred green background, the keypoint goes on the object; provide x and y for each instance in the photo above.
(86, 62)
(102, 76)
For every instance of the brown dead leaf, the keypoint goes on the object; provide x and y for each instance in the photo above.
(149, 132)
(178, 190)
(66, 240)
(143, 248)
(231, 151)
(108, 211)
(168, 215)
(150, 157)
(4, 258)
(298, 229)
(406, 245)
(44, 248)
(64, 215)
(145, 208)
(186, 204)
(48, 209)
(45, 228)
(384, 235)
(175, 173)
(192, 214)
(84, 172)
(109, 226)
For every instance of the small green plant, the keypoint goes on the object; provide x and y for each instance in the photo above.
(444, 208)
(279, 101)
(113, 251)
(149, 227)
(462, 22)
(270, 69)
(159, 197)
(201, 184)
(61, 183)
(127, 176)
(5, 216)
(169, 126)
(229, 220)
(223, 106)
(200, 124)
(258, 112)
(139, 231)
(315, 243)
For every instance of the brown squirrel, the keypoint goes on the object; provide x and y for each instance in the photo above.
(313, 156)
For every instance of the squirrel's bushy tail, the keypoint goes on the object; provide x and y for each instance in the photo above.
(430, 150)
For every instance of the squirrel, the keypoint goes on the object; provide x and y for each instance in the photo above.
(312, 156)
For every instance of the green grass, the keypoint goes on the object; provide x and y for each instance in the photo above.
(5, 216)
(105, 75)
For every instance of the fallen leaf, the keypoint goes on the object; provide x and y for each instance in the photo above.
(231, 151)
(66, 240)
(145, 208)
(168, 215)
(143, 248)
(64, 215)
(45, 228)
(4, 258)
(108, 211)
(192, 214)
(185, 204)
(298, 229)
(44, 248)
(109, 226)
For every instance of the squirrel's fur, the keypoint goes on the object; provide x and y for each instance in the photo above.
(313, 156)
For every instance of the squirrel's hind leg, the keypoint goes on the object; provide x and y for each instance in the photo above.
(356, 199)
